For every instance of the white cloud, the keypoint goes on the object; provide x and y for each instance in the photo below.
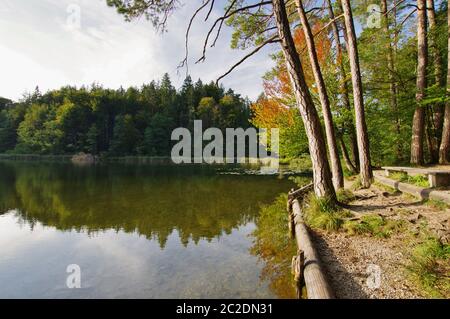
(39, 47)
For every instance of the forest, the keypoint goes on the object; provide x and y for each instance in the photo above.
(135, 121)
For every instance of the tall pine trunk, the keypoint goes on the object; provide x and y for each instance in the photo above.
(323, 185)
(392, 84)
(336, 168)
(444, 151)
(418, 126)
(437, 116)
(346, 157)
(361, 127)
(343, 88)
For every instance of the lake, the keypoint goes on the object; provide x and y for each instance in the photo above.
(135, 231)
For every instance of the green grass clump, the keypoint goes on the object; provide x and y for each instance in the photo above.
(430, 267)
(323, 213)
(345, 196)
(357, 184)
(418, 180)
(438, 204)
(386, 188)
(374, 225)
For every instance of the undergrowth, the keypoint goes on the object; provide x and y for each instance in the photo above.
(430, 267)
(323, 213)
(418, 180)
(375, 225)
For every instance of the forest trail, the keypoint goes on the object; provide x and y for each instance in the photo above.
(349, 259)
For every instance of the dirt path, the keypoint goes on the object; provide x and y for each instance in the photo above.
(371, 267)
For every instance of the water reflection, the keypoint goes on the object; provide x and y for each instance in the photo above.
(136, 231)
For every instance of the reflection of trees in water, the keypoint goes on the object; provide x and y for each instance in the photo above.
(150, 200)
(275, 248)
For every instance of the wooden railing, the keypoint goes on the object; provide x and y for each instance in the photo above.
(306, 266)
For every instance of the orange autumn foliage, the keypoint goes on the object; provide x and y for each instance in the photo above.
(273, 109)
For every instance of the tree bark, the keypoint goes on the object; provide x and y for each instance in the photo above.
(336, 168)
(438, 108)
(323, 185)
(350, 127)
(392, 84)
(444, 151)
(346, 157)
(361, 127)
(418, 126)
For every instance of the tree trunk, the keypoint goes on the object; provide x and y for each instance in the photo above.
(430, 133)
(350, 127)
(392, 84)
(361, 127)
(438, 108)
(347, 160)
(323, 185)
(336, 168)
(444, 151)
(418, 126)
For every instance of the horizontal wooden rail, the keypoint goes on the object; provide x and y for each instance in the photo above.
(312, 274)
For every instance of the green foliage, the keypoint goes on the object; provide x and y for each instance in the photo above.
(323, 213)
(418, 180)
(429, 267)
(125, 135)
(7, 132)
(39, 130)
(157, 136)
(116, 122)
(155, 11)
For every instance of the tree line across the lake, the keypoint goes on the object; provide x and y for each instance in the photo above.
(133, 121)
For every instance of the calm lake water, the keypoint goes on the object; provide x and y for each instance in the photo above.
(134, 231)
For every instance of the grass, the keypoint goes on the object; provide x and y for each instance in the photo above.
(430, 267)
(437, 204)
(374, 225)
(345, 196)
(357, 184)
(323, 213)
(418, 180)
(386, 188)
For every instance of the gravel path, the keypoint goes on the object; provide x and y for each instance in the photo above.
(371, 267)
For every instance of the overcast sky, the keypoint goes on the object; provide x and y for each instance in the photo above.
(41, 45)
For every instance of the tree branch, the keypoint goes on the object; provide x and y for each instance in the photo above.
(272, 39)
(185, 60)
(227, 14)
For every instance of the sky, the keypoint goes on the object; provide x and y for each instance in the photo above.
(44, 43)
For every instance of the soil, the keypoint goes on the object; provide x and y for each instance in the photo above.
(371, 267)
